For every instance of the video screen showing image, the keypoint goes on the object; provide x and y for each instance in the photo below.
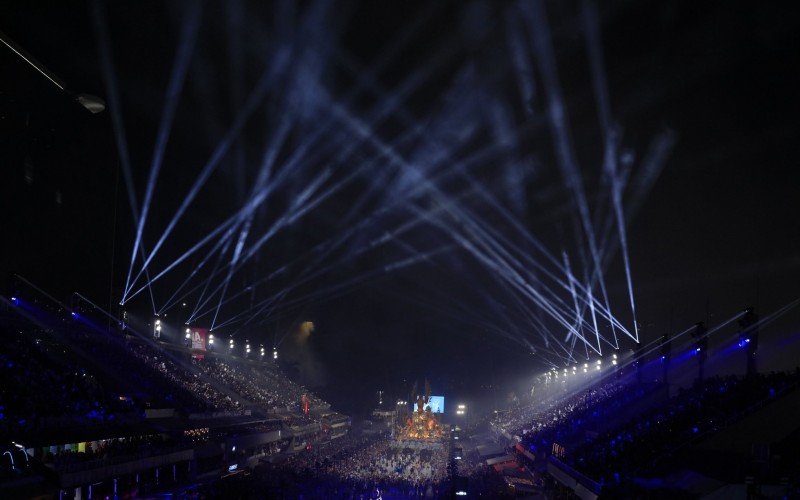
(436, 403)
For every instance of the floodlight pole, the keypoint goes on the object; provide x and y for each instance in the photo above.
(89, 102)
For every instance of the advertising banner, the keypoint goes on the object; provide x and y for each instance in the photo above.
(199, 336)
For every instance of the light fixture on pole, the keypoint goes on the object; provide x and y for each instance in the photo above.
(91, 103)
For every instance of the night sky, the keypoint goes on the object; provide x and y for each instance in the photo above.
(719, 229)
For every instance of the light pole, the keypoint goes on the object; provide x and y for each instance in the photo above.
(89, 102)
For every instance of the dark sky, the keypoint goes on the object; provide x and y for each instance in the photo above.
(719, 229)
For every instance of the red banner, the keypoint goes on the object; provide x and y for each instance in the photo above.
(199, 336)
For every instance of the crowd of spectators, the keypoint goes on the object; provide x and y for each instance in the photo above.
(99, 376)
(593, 411)
(59, 372)
(42, 385)
(614, 433)
(239, 381)
(543, 415)
(192, 391)
(260, 384)
(702, 409)
(361, 467)
(385, 462)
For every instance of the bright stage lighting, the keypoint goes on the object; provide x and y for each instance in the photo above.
(210, 340)
(274, 353)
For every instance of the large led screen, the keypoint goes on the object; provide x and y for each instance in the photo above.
(436, 403)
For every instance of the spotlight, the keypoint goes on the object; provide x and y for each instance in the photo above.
(613, 356)
(274, 353)
(13, 299)
(613, 361)
(74, 314)
(599, 362)
(210, 340)
(156, 327)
